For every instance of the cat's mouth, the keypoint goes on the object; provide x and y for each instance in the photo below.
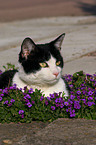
(51, 82)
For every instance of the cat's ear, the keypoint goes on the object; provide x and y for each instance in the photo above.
(58, 41)
(27, 46)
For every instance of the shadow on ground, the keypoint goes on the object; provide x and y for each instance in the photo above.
(88, 8)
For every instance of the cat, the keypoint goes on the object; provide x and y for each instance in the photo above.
(40, 66)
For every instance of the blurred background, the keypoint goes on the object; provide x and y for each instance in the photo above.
(11, 10)
(76, 18)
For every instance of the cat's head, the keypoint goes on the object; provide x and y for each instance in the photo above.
(41, 62)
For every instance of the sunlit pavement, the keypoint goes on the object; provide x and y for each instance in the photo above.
(80, 39)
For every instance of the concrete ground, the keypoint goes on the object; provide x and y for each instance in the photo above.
(80, 39)
(17, 10)
(62, 131)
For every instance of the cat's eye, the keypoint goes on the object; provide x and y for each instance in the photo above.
(58, 63)
(43, 65)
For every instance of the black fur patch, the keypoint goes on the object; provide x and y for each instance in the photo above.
(43, 53)
(6, 78)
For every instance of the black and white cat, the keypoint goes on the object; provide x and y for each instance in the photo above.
(40, 66)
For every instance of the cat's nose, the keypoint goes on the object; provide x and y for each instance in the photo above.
(56, 74)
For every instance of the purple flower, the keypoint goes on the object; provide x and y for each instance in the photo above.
(94, 84)
(0, 98)
(76, 101)
(78, 97)
(14, 85)
(69, 109)
(46, 102)
(24, 94)
(25, 88)
(72, 97)
(71, 86)
(29, 104)
(90, 93)
(2, 95)
(84, 100)
(26, 100)
(42, 98)
(6, 102)
(84, 92)
(88, 75)
(82, 85)
(10, 104)
(58, 94)
(94, 75)
(56, 101)
(5, 91)
(60, 99)
(78, 92)
(21, 111)
(77, 106)
(52, 96)
(72, 113)
(0, 90)
(20, 89)
(28, 96)
(92, 80)
(90, 98)
(70, 102)
(72, 92)
(25, 97)
(48, 98)
(12, 100)
(11, 88)
(30, 91)
(57, 105)
(89, 89)
(53, 108)
(33, 102)
(90, 103)
(61, 105)
(66, 103)
(22, 115)
(82, 88)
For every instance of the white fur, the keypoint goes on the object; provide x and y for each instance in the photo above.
(43, 79)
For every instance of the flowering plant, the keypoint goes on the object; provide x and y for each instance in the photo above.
(23, 105)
